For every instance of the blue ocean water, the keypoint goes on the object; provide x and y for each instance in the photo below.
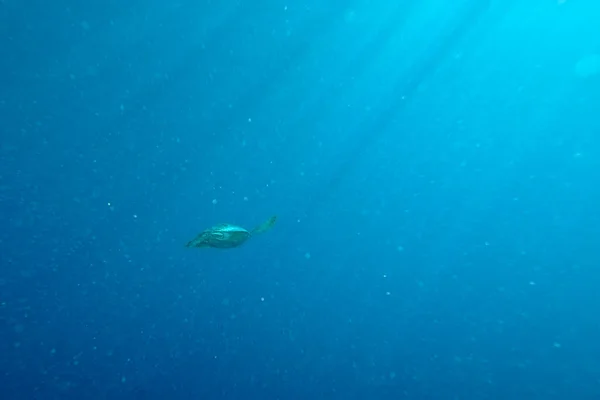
(434, 166)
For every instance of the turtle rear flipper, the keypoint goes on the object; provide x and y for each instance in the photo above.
(265, 226)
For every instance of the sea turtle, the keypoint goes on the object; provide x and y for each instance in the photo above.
(226, 236)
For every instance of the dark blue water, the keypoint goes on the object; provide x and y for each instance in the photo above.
(434, 166)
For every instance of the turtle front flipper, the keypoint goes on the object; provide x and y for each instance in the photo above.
(265, 226)
(199, 241)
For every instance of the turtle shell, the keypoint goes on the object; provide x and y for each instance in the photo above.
(223, 236)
